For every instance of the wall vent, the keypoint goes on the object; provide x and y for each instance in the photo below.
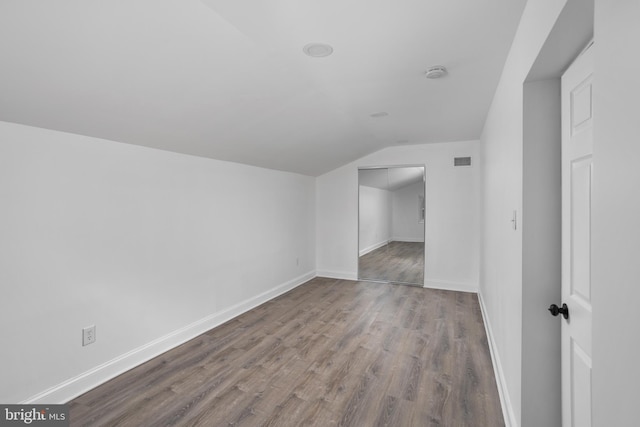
(462, 161)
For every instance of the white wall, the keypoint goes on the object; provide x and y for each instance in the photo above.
(375, 218)
(501, 273)
(452, 193)
(337, 223)
(150, 246)
(616, 209)
(406, 225)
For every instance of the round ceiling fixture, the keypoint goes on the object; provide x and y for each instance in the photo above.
(435, 72)
(317, 50)
(379, 114)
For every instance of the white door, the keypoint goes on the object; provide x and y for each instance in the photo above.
(577, 174)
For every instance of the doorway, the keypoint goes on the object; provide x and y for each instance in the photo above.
(542, 213)
(391, 224)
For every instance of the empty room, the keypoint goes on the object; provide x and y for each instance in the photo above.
(287, 213)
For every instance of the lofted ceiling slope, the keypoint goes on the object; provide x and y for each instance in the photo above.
(228, 79)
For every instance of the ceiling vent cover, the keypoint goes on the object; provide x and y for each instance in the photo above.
(317, 50)
(462, 161)
(436, 72)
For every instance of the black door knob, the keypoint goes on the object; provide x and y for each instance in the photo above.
(555, 310)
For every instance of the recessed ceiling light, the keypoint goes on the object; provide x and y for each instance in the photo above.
(435, 72)
(317, 50)
(379, 114)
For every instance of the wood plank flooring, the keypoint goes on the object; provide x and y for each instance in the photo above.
(398, 262)
(328, 353)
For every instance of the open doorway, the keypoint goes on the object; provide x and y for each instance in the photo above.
(391, 230)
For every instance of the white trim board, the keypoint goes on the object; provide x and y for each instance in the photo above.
(343, 275)
(450, 286)
(373, 247)
(408, 239)
(88, 380)
(395, 239)
(503, 392)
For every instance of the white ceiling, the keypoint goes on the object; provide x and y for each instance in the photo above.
(228, 80)
(390, 178)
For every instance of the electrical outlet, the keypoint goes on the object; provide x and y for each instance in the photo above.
(88, 335)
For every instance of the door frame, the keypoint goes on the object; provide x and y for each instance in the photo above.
(541, 387)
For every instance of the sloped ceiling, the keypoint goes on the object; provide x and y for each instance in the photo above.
(228, 79)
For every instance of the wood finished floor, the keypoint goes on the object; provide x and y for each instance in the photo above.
(400, 262)
(328, 353)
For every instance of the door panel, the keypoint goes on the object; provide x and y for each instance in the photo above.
(581, 229)
(581, 384)
(577, 178)
(581, 106)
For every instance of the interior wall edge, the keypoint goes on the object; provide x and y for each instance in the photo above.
(80, 384)
(503, 391)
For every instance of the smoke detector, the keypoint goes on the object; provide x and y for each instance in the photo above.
(435, 72)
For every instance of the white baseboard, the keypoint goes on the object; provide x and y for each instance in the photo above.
(344, 275)
(372, 247)
(88, 380)
(408, 239)
(503, 392)
(450, 286)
